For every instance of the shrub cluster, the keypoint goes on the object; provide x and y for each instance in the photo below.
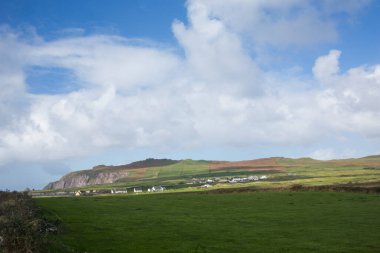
(21, 228)
(349, 187)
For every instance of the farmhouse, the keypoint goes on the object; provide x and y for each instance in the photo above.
(246, 179)
(237, 180)
(253, 178)
(78, 193)
(157, 188)
(114, 191)
(137, 189)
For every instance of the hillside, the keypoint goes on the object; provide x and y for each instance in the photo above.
(175, 174)
(103, 174)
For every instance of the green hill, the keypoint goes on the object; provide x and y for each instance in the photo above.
(189, 175)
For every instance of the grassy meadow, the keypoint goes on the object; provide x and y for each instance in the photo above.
(205, 222)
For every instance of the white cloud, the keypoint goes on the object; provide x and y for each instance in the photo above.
(351, 99)
(330, 154)
(327, 66)
(215, 58)
(281, 23)
(134, 95)
(323, 154)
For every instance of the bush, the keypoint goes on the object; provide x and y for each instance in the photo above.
(297, 187)
(21, 229)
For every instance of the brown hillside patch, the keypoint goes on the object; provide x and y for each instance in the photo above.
(250, 165)
(356, 162)
(150, 162)
(147, 163)
(133, 175)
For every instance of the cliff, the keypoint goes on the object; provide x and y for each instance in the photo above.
(73, 180)
(102, 174)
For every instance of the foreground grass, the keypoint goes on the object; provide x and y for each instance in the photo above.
(244, 222)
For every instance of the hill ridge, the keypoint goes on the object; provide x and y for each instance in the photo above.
(153, 171)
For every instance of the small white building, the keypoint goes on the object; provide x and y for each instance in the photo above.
(263, 177)
(157, 188)
(137, 189)
(78, 193)
(114, 191)
(253, 178)
(235, 180)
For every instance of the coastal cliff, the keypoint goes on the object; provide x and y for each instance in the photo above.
(102, 174)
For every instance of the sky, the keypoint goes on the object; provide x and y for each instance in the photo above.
(84, 83)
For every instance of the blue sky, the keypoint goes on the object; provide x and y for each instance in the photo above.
(88, 82)
(137, 19)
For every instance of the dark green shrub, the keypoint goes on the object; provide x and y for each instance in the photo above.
(297, 187)
(21, 228)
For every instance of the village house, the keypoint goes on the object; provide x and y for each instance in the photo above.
(137, 189)
(157, 188)
(114, 191)
(236, 180)
(246, 179)
(253, 178)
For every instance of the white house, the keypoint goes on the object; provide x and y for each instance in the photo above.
(263, 177)
(114, 191)
(157, 188)
(137, 190)
(236, 180)
(253, 178)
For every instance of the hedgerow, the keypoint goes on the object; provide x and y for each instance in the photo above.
(22, 228)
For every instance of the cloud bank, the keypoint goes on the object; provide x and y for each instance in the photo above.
(211, 92)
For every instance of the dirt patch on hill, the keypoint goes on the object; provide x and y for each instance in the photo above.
(134, 175)
(150, 162)
(250, 165)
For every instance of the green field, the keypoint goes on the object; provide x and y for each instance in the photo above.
(236, 222)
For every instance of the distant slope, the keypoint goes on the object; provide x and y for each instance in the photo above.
(250, 165)
(103, 174)
(150, 162)
(281, 172)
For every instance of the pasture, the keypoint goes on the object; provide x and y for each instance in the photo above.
(209, 222)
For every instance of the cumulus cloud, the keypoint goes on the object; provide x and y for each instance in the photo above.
(327, 66)
(351, 98)
(281, 23)
(330, 154)
(134, 95)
